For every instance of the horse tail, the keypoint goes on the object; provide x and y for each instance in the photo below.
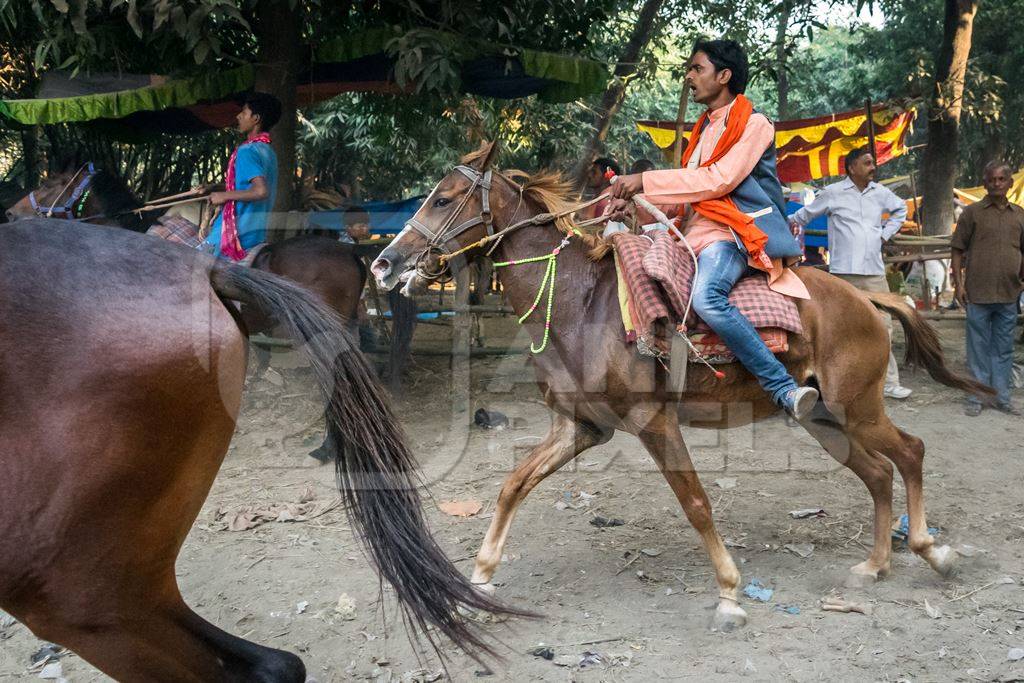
(403, 324)
(923, 346)
(376, 471)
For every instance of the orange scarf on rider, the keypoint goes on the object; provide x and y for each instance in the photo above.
(723, 209)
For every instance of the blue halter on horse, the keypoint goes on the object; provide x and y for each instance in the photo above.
(72, 208)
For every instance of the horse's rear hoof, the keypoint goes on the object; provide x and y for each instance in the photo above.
(943, 560)
(728, 617)
(865, 575)
(322, 455)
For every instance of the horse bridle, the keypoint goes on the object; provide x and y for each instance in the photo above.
(436, 240)
(78, 196)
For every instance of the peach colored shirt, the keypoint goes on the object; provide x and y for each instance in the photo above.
(697, 183)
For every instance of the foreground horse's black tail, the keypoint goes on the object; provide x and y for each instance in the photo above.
(923, 346)
(376, 471)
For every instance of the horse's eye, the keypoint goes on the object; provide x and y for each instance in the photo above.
(441, 202)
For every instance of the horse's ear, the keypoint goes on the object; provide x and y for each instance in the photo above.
(488, 157)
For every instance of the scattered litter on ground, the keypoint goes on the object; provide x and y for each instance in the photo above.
(755, 590)
(52, 671)
(247, 517)
(803, 550)
(834, 604)
(969, 550)
(932, 612)
(726, 483)
(901, 530)
(1015, 654)
(602, 522)
(565, 660)
(300, 608)
(461, 508)
(804, 513)
(729, 543)
(346, 607)
(490, 419)
(544, 652)
(48, 652)
(788, 609)
(748, 667)
(274, 377)
(589, 658)
(650, 552)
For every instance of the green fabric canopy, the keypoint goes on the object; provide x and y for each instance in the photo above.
(359, 62)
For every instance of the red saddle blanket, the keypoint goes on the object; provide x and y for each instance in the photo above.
(658, 275)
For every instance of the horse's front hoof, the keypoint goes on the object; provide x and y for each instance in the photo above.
(728, 617)
(865, 575)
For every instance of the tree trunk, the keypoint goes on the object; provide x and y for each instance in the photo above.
(612, 99)
(780, 59)
(938, 168)
(680, 141)
(278, 34)
(30, 156)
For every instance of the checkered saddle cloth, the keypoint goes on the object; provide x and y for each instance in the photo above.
(184, 231)
(657, 275)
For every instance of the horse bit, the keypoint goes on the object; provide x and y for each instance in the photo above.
(79, 196)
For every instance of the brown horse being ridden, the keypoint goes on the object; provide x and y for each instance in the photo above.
(596, 383)
(322, 265)
(121, 371)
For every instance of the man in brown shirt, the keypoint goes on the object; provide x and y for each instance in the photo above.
(988, 276)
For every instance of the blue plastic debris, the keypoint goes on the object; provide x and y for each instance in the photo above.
(755, 590)
(902, 531)
(791, 609)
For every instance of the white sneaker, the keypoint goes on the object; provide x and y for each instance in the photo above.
(800, 402)
(897, 392)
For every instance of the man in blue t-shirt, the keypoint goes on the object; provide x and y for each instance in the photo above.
(254, 176)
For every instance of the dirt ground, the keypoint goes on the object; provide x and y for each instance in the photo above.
(623, 603)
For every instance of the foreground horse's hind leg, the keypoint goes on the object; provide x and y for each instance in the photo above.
(564, 441)
(875, 472)
(668, 449)
(907, 452)
(150, 634)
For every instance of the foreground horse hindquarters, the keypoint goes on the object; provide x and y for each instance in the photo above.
(596, 383)
(323, 265)
(121, 372)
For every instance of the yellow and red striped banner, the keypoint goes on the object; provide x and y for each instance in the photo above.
(814, 148)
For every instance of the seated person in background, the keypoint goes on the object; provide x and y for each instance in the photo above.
(355, 225)
(598, 183)
(641, 166)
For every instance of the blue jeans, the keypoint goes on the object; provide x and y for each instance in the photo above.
(990, 346)
(720, 266)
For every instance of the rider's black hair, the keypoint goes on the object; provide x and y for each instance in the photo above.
(266, 106)
(604, 163)
(727, 54)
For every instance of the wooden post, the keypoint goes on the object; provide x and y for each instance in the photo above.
(677, 144)
(871, 130)
(461, 347)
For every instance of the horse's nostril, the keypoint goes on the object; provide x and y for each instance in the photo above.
(381, 267)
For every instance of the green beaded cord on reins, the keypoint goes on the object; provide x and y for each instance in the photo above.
(548, 282)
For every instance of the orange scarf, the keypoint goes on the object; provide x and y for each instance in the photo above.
(723, 209)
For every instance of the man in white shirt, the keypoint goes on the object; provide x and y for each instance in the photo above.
(857, 228)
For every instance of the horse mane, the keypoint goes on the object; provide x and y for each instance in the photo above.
(116, 200)
(553, 192)
(550, 190)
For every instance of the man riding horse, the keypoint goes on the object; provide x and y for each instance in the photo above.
(735, 218)
(251, 183)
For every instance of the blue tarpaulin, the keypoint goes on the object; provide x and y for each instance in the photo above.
(386, 218)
